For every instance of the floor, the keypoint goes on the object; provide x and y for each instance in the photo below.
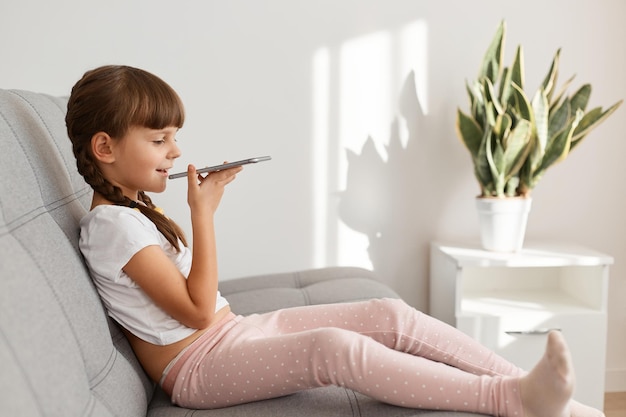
(615, 404)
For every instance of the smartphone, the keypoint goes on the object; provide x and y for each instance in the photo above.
(224, 166)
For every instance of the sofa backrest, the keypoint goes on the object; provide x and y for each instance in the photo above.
(59, 353)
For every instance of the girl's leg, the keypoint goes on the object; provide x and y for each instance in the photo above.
(398, 326)
(249, 364)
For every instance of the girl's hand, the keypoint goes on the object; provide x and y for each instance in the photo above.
(204, 193)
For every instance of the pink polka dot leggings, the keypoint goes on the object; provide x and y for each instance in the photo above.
(382, 348)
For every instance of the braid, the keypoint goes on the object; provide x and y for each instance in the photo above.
(92, 175)
(167, 227)
(144, 198)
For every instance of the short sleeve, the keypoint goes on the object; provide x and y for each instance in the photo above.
(111, 235)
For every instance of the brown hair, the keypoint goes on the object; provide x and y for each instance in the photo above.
(112, 99)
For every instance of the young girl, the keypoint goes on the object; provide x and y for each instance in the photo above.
(123, 122)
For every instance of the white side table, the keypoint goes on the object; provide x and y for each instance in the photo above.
(509, 302)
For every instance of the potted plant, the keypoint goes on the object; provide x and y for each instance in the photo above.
(513, 140)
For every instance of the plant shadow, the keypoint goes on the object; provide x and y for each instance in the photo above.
(397, 203)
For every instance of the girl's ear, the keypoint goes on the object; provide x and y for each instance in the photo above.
(102, 147)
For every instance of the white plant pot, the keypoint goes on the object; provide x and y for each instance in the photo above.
(503, 222)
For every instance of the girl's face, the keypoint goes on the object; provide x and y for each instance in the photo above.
(142, 159)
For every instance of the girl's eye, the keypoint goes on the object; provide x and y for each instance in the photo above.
(159, 142)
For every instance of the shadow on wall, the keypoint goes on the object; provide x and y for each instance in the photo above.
(397, 203)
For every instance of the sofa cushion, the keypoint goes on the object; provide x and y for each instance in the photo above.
(318, 402)
(57, 353)
(263, 293)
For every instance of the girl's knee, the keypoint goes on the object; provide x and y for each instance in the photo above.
(329, 337)
(393, 305)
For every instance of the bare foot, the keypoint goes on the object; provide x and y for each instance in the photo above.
(580, 410)
(546, 391)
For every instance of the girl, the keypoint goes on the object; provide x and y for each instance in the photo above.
(122, 122)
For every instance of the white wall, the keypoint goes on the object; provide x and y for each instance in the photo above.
(309, 82)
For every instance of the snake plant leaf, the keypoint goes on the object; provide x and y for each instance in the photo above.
(505, 87)
(505, 161)
(535, 156)
(495, 158)
(591, 120)
(558, 147)
(472, 98)
(482, 169)
(490, 97)
(533, 160)
(477, 101)
(541, 110)
(470, 133)
(549, 82)
(474, 93)
(580, 98)
(490, 114)
(556, 99)
(591, 115)
(517, 148)
(511, 186)
(517, 68)
(559, 118)
(526, 175)
(470, 94)
(523, 107)
(502, 128)
(492, 61)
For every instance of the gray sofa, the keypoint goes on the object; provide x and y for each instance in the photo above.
(59, 353)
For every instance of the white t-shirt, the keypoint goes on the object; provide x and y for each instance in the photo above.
(109, 237)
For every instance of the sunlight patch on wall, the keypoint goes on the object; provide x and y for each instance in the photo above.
(320, 126)
(365, 110)
(355, 96)
(413, 40)
(365, 98)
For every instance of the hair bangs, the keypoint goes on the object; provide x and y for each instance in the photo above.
(156, 105)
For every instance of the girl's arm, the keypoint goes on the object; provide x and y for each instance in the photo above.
(190, 301)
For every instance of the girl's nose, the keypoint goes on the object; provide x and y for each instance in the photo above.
(174, 151)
